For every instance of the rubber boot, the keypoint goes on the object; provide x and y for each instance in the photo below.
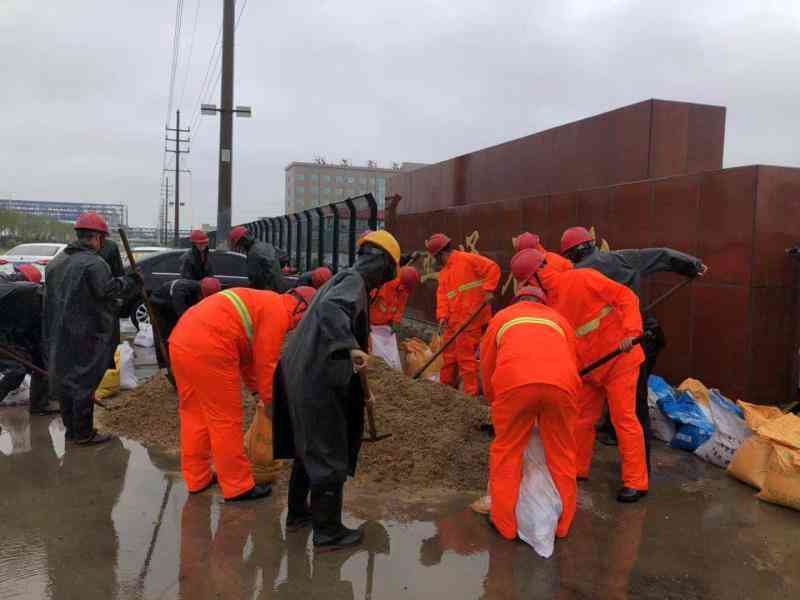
(298, 515)
(326, 515)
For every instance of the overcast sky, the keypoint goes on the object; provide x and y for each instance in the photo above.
(85, 85)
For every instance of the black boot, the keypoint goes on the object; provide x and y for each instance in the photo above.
(298, 515)
(629, 495)
(326, 515)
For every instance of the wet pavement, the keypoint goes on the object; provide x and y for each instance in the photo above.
(116, 521)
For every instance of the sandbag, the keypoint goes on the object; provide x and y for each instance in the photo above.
(756, 414)
(109, 386)
(539, 503)
(383, 343)
(700, 393)
(436, 366)
(127, 368)
(258, 447)
(782, 483)
(145, 336)
(19, 396)
(417, 354)
(730, 431)
(694, 424)
(784, 430)
(749, 462)
(662, 426)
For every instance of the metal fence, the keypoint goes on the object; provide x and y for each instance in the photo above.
(325, 235)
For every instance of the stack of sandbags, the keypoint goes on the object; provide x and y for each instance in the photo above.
(770, 459)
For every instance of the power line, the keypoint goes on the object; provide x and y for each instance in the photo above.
(191, 50)
(176, 50)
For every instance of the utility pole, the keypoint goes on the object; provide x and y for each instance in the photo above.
(226, 110)
(165, 212)
(177, 152)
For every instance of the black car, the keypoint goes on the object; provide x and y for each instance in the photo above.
(160, 267)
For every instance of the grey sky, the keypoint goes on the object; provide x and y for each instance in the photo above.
(85, 85)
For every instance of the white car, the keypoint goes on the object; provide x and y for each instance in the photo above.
(36, 254)
(140, 252)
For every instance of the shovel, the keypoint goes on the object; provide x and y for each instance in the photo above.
(612, 355)
(373, 431)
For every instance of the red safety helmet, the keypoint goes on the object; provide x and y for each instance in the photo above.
(91, 221)
(198, 236)
(30, 272)
(525, 263)
(436, 243)
(531, 291)
(209, 286)
(527, 240)
(320, 276)
(409, 278)
(574, 236)
(302, 295)
(236, 234)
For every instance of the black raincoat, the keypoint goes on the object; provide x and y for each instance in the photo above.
(109, 252)
(80, 320)
(169, 302)
(264, 269)
(196, 264)
(318, 402)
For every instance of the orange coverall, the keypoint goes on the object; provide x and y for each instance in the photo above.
(558, 262)
(530, 374)
(463, 284)
(231, 335)
(389, 304)
(603, 313)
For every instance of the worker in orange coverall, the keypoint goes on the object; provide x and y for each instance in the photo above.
(386, 308)
(527, 240)
(530, 374)
(605, 316)
(466, 280)
(235, 334)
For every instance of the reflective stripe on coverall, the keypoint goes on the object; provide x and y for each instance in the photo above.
(463, 284)
(530, 375)
(212, 349)
(389, 304)
(603, 313)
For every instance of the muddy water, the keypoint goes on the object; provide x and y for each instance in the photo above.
(116, 522)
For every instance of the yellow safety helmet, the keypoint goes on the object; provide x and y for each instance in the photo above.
(382, 239)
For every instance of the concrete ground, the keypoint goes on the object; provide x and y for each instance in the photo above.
(115, 521)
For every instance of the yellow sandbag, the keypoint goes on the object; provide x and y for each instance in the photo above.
(782, 484)
(784, 430)
(436, 366)
(417, 354)
(756, 414)
(258, 446)
(109, 386)
(749, 463)
(699, 392)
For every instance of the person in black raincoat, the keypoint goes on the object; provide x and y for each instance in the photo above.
(110, 253)
(629, 267)
(263, 264)
(174, 298)
(21, 331)
(196, 261)
(318, 400)
(79, 314)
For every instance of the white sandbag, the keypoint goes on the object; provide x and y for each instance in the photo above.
(145, 336)
(384, 345)
(662, 426)
(539, 503)
(19, 396)
(127, 368)
(730, 431)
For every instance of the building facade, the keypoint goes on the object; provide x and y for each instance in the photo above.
(312, 184)
(68, 212)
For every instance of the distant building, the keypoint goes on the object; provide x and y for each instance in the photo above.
(68, 212)
(311, 184)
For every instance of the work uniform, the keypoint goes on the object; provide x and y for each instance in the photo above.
(464, 281)
(196, 264)
(80, 316)
(386, 310)
(628, 267)
(235, 334)
(603, 313)
(264, 269)
(530, 375)
(21, 331)
(169, 302)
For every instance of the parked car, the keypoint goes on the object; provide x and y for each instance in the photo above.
(160, 267)
(139, 252)
(36, 254)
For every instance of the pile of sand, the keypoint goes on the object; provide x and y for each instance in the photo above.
(435, 442)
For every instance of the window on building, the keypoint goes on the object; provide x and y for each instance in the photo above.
(299, 191)
(339, 191)
(299, 177)
(351, 180)
(315, 191)
(326, 190)
(314, 177)
(339, 179)
(326, 178)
